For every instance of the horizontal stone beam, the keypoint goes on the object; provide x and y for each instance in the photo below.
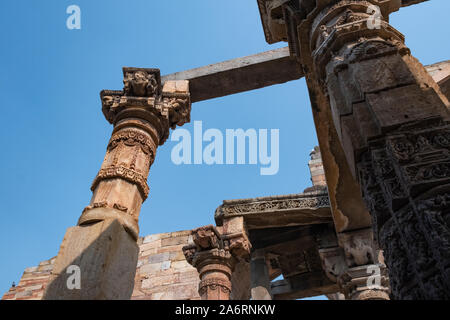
(278, 211)
(239, 75)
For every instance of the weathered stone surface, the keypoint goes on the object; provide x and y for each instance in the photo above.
(173, 278)
(142, 114)
(392, 158)
(239, 75)
(104, 244)
(215, 256)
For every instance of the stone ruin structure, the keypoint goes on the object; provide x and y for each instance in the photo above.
(374, 225)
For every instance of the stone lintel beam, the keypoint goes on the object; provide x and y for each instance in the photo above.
(239, 75)
(278, 211)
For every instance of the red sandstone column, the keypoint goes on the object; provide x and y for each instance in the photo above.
(215, 256)
(103, 245)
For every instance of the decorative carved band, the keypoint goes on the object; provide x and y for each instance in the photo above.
(141, 82)
(133, 138)
(214, 284)
(285, 204)
(406, 184)
(123, 173)
(104, 204)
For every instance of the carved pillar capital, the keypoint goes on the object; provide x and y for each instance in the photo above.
(142, 114)
(143, 97)
(215, 256)
(365, 276)
(342, 27)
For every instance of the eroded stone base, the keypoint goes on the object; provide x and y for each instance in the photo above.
(106, 256)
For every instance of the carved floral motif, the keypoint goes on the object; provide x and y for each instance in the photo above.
(124, 173)
(300, 203)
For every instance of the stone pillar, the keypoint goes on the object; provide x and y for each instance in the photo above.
(260, 282)
(103, 245)
(392, 121)
(214, 256)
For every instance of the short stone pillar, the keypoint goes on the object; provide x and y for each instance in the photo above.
(102, 248)
(260, 282)
(215, 256)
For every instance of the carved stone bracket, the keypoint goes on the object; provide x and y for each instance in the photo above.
(356, 266)
(143, 92)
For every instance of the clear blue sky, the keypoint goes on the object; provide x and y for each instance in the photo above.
(53, 135)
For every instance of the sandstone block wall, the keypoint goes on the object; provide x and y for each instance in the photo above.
(162, 272)
(33, 282)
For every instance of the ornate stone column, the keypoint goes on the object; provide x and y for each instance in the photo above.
(392, 122)
(103, 245)
(215, 256)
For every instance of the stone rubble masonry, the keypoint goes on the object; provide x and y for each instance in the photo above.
(162, 272)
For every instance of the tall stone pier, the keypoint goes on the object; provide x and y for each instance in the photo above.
(98, 257)
(383, 127)
(392, 122)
